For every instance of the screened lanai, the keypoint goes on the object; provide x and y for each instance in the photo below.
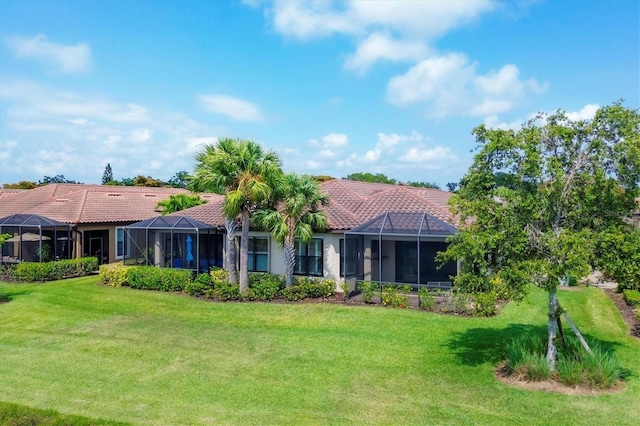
(173, 242)
(35, 239)
(399, 247)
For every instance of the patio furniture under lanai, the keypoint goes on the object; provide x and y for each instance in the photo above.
(173, 241)
(399, 247)
(35, 239)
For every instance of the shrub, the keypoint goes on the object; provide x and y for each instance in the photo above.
(57, 270)
(485, 304)
(632, 297)
(199, 286)
(309, 288)
(114, 274)
(219, 275)
(346, 290)
(395, 296)
(263, 286)
(294, 293)
(225, 291)
(460, 302)
(161, 279)
(618, 256)
(426, 298)
(367, 289)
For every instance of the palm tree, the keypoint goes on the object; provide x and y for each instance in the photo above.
(179, 202)
(247, 173)
(295, 214)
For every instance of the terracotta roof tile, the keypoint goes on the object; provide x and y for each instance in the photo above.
(209, 213)
(84, 204)
(352, 203)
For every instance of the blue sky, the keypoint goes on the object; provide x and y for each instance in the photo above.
(334, 87)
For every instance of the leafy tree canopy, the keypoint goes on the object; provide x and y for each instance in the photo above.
(179, 180)
(370, 177)
(141, 180)
(55, 179)
(431, 185)
(535, 202)
(23, 184)
(381, 178)
(179, 202)
(107, 176)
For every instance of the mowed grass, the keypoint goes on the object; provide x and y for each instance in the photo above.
(150, 358)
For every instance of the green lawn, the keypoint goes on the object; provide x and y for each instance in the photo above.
(139, 357)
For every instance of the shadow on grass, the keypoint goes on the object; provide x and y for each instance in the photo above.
(15, 414)
(6, 296)
(477, 346)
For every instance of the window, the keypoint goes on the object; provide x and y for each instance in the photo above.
(352, 256)
(258, 258)
(309, 259)
(122, 244)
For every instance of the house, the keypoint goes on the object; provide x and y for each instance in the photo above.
(376, 232)
(95, 214)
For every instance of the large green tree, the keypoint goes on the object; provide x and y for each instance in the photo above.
(248, 173)
(293, 213)
(179, 202)
(179, 180)
(535, 202)
(107, 176)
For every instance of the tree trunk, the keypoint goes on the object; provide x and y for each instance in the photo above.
(230, 225)
(289, 260)
(552, 351)
(244, 253)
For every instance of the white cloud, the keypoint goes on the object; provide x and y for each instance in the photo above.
(78, 121)
(64, 58)
(235, 108)
(449, 84)
(306, 19)
(331, 146)
(63, 132)
(493, 121)
(140, 135)
(427, 155)
(386, 143)
(379, 46)
(398, 30)
(335, 140)
(586, 113)
(428, 19)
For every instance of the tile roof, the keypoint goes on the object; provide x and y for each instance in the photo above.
(86, 204)
(209, 213)
(352, 203)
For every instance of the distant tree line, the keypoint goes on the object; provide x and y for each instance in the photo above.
(381, 178)
(179, 180)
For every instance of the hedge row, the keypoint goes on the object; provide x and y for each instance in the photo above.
(632, 297)
(215, 285)
(56, 270)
